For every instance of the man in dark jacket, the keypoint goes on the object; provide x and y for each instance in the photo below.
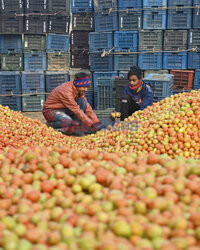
(137, 95)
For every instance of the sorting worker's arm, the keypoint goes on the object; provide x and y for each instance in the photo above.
(147, 98)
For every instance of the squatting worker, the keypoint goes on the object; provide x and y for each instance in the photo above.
(67, 110)
(137, 95)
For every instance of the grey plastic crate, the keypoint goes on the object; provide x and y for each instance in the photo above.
(175, 39)
(194, 38)
(58, 61)
(59, 6)
(34, 43)
(105, 4)
(105, 116)
(105, 94)
(83, 21)
(12, 62)
(33, 102)
(150, 40)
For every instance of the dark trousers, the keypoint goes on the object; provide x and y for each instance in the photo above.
(128, 106)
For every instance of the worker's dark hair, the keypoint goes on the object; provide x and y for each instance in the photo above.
(81, 75)
(135, 70)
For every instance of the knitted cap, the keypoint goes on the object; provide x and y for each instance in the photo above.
(82, 82)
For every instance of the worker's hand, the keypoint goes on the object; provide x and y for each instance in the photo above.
(97, 126)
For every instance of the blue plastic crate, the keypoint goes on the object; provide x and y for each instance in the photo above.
(154, 19)
(33, 102)
(90, 98)
(196, 84)
(175, 60)
(179, 19)
(196, 2)
(196, 18)
(34, 61)
(124, 62)
(11, 43)
(13, 102)
(125, 4)
(180, 2)
(33, 81)
(98, 63)
(10, 81)
(99, 41)
(106, 21)
(193, 60)
(153, 3)
(56, 42)
(99, 75)
(150, 60)
(126, 40)
(130, 20)
(161, 85)
(82, 6)
(105, 94)
(54, 79)
(104, 4)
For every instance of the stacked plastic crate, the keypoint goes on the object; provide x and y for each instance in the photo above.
(11, 57)
(82, 24)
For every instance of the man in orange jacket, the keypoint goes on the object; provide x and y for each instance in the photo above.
(67, 110)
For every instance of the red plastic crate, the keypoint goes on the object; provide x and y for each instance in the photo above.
(183, 79)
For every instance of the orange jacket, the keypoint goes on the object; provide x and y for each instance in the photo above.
(64, 96)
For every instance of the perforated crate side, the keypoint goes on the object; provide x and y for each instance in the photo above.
(180, 2)
(125, 4)
(80, 59)
(83, 21)
(37, 6)
(196, 18)
(106, 21)
(10, 80)
(120, 84)
(183, 79)
(130, 20)
(193, 60)
(194, 38)
(175, 39)
(54, 79)
(196, 2)
(124, 62)
(99, 41)
(76, 43)
(161, 85)
(105, 4)
(99, 75)
(155, 19)
(151, 40)
(59, 6)
(82, 6)
(197, 79)
(150, 60)
(175, 60)
(59, 24)
(58, 61)
(34, 61)
(36, 25)
(57, 42)
(98, 63)
(105, 93)
(148, 72)
(13, 102)
(32, 80)
(34, 102)
(10, 24)
(10, 43)
(153, 3)
(10, 62)
(34, 43)
(180, 19)
(126, 40)
(12, 7)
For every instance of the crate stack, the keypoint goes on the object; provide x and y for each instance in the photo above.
(34, 45)
(82, 24)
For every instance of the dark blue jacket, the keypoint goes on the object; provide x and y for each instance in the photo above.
(144, 97)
